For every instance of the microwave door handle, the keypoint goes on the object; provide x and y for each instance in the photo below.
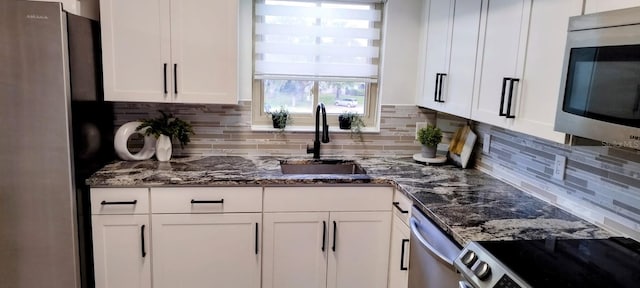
(509, 101)
(504, 87)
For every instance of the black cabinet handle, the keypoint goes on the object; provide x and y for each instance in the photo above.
(435, 90)
(397, 205)
(511, 80)
(442, 75)
(402, 248)
(324, 233)
(144, 250)
(119, 202)
(335, 232)
(175, 78)
(257, 250)
(504, 89)
(193, 201)
(166, 90)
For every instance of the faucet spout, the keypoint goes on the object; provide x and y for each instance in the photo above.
(320, 109)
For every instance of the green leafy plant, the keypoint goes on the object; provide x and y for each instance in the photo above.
(280, 117)
(168, 125)
(351, 120)
(430, 135)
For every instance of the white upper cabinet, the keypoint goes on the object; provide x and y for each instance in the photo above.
(181, 51)
(594, 6)
(501, 53)
(451, 36)
(540, 87)
(519, 67)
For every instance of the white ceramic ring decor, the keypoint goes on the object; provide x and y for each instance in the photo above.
(163, 145)
(120, 142)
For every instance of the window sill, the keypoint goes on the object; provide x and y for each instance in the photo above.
(311, 129)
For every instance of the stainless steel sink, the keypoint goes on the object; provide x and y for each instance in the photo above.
(321, 167)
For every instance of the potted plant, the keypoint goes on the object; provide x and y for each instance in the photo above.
(165, 128)
(429, 137)
(280, 118)
(350, 121)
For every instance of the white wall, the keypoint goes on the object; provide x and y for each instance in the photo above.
(399, 61)
(593, 6)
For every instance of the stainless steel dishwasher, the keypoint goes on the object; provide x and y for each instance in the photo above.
(431, 255)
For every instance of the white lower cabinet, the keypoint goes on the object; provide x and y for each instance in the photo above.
(399, 259)
(121, 251)
(359, 254)
(295, 250)
(121, 243)
(206, 250)
(333, 248)
(399, 256)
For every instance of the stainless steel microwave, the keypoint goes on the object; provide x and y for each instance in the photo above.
(600, 88)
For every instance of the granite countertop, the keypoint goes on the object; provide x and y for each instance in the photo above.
(468, 204)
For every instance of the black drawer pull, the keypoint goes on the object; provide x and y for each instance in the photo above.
(508, 115)
(166, 90)
(193, 201)
(324, 233)
(397, 205)
(335, 232)
(504, 89)
(144, 250)
(119, 202)
(402, 267)
(257, 250)
(435, 90)
(175, 78)
(442, 75)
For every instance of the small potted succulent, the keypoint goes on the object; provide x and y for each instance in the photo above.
(165, 128)
(350, 121)
(429, 137)
(280, 118)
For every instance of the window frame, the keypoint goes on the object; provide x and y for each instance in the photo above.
(261, 120)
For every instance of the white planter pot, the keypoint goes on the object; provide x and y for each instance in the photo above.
(163, 148)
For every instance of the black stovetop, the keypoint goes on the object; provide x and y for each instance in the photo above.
(583, 263)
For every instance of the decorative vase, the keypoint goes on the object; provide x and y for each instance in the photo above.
(122, 136)
(163, 148)
(345, 123)
(429, 151)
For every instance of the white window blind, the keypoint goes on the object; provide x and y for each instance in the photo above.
(317, 40)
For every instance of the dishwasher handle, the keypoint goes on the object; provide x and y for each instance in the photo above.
(415, 229)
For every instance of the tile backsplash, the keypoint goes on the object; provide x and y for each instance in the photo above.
(226, 130)
(601, 184)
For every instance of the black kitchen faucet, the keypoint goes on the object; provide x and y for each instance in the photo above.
(325, 131)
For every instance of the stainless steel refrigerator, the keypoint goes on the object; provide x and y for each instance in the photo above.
(54, 132)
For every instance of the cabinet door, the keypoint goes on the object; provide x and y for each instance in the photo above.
(399, 259)
(135, 49)
(594, 6)
(121, 251)
(206, 250)
(438, 17)
(504, 26)
(204, 44)
(359, 249)
(458, 84)
(295, 250)
(540, 87)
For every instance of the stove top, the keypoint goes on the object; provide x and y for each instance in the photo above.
(585, 263)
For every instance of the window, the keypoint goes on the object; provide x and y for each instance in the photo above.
(307, 52)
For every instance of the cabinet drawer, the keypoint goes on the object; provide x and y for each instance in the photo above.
(119, 201)
(329, 198)
(402, 206)
(206, 199)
